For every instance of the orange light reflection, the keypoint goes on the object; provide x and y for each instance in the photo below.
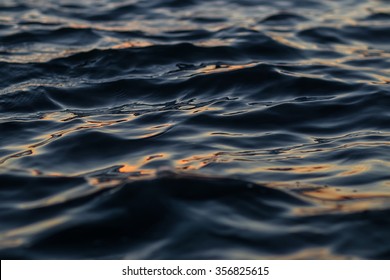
(303, 169)
(137, 167)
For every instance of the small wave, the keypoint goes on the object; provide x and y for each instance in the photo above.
(194, 129)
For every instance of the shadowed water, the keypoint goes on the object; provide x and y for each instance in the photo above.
(195, 129)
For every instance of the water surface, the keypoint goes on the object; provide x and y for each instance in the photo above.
(195, 129)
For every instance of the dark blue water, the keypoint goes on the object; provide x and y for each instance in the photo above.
(195, 129)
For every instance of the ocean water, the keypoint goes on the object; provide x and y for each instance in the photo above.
(195, 129)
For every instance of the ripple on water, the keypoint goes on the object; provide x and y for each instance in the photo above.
(194, 129)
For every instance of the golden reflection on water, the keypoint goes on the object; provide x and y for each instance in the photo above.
(138, 166)
(289, 41)
(327, 199)
(18, 236)
(134, 44)
(215, 42)
(126, 168)
(346, 207)
(102, 183)
(303, 169)
(59, 116)
(196, 162)
(333, 200)
(337, 194)
(354, 170)
(342, 170)
(223, 68)
(127, 27)
(312, 254)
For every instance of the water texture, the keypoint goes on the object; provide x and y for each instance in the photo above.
(195, 129)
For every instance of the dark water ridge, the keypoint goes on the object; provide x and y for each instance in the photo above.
(194, 129)
(176, 216)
